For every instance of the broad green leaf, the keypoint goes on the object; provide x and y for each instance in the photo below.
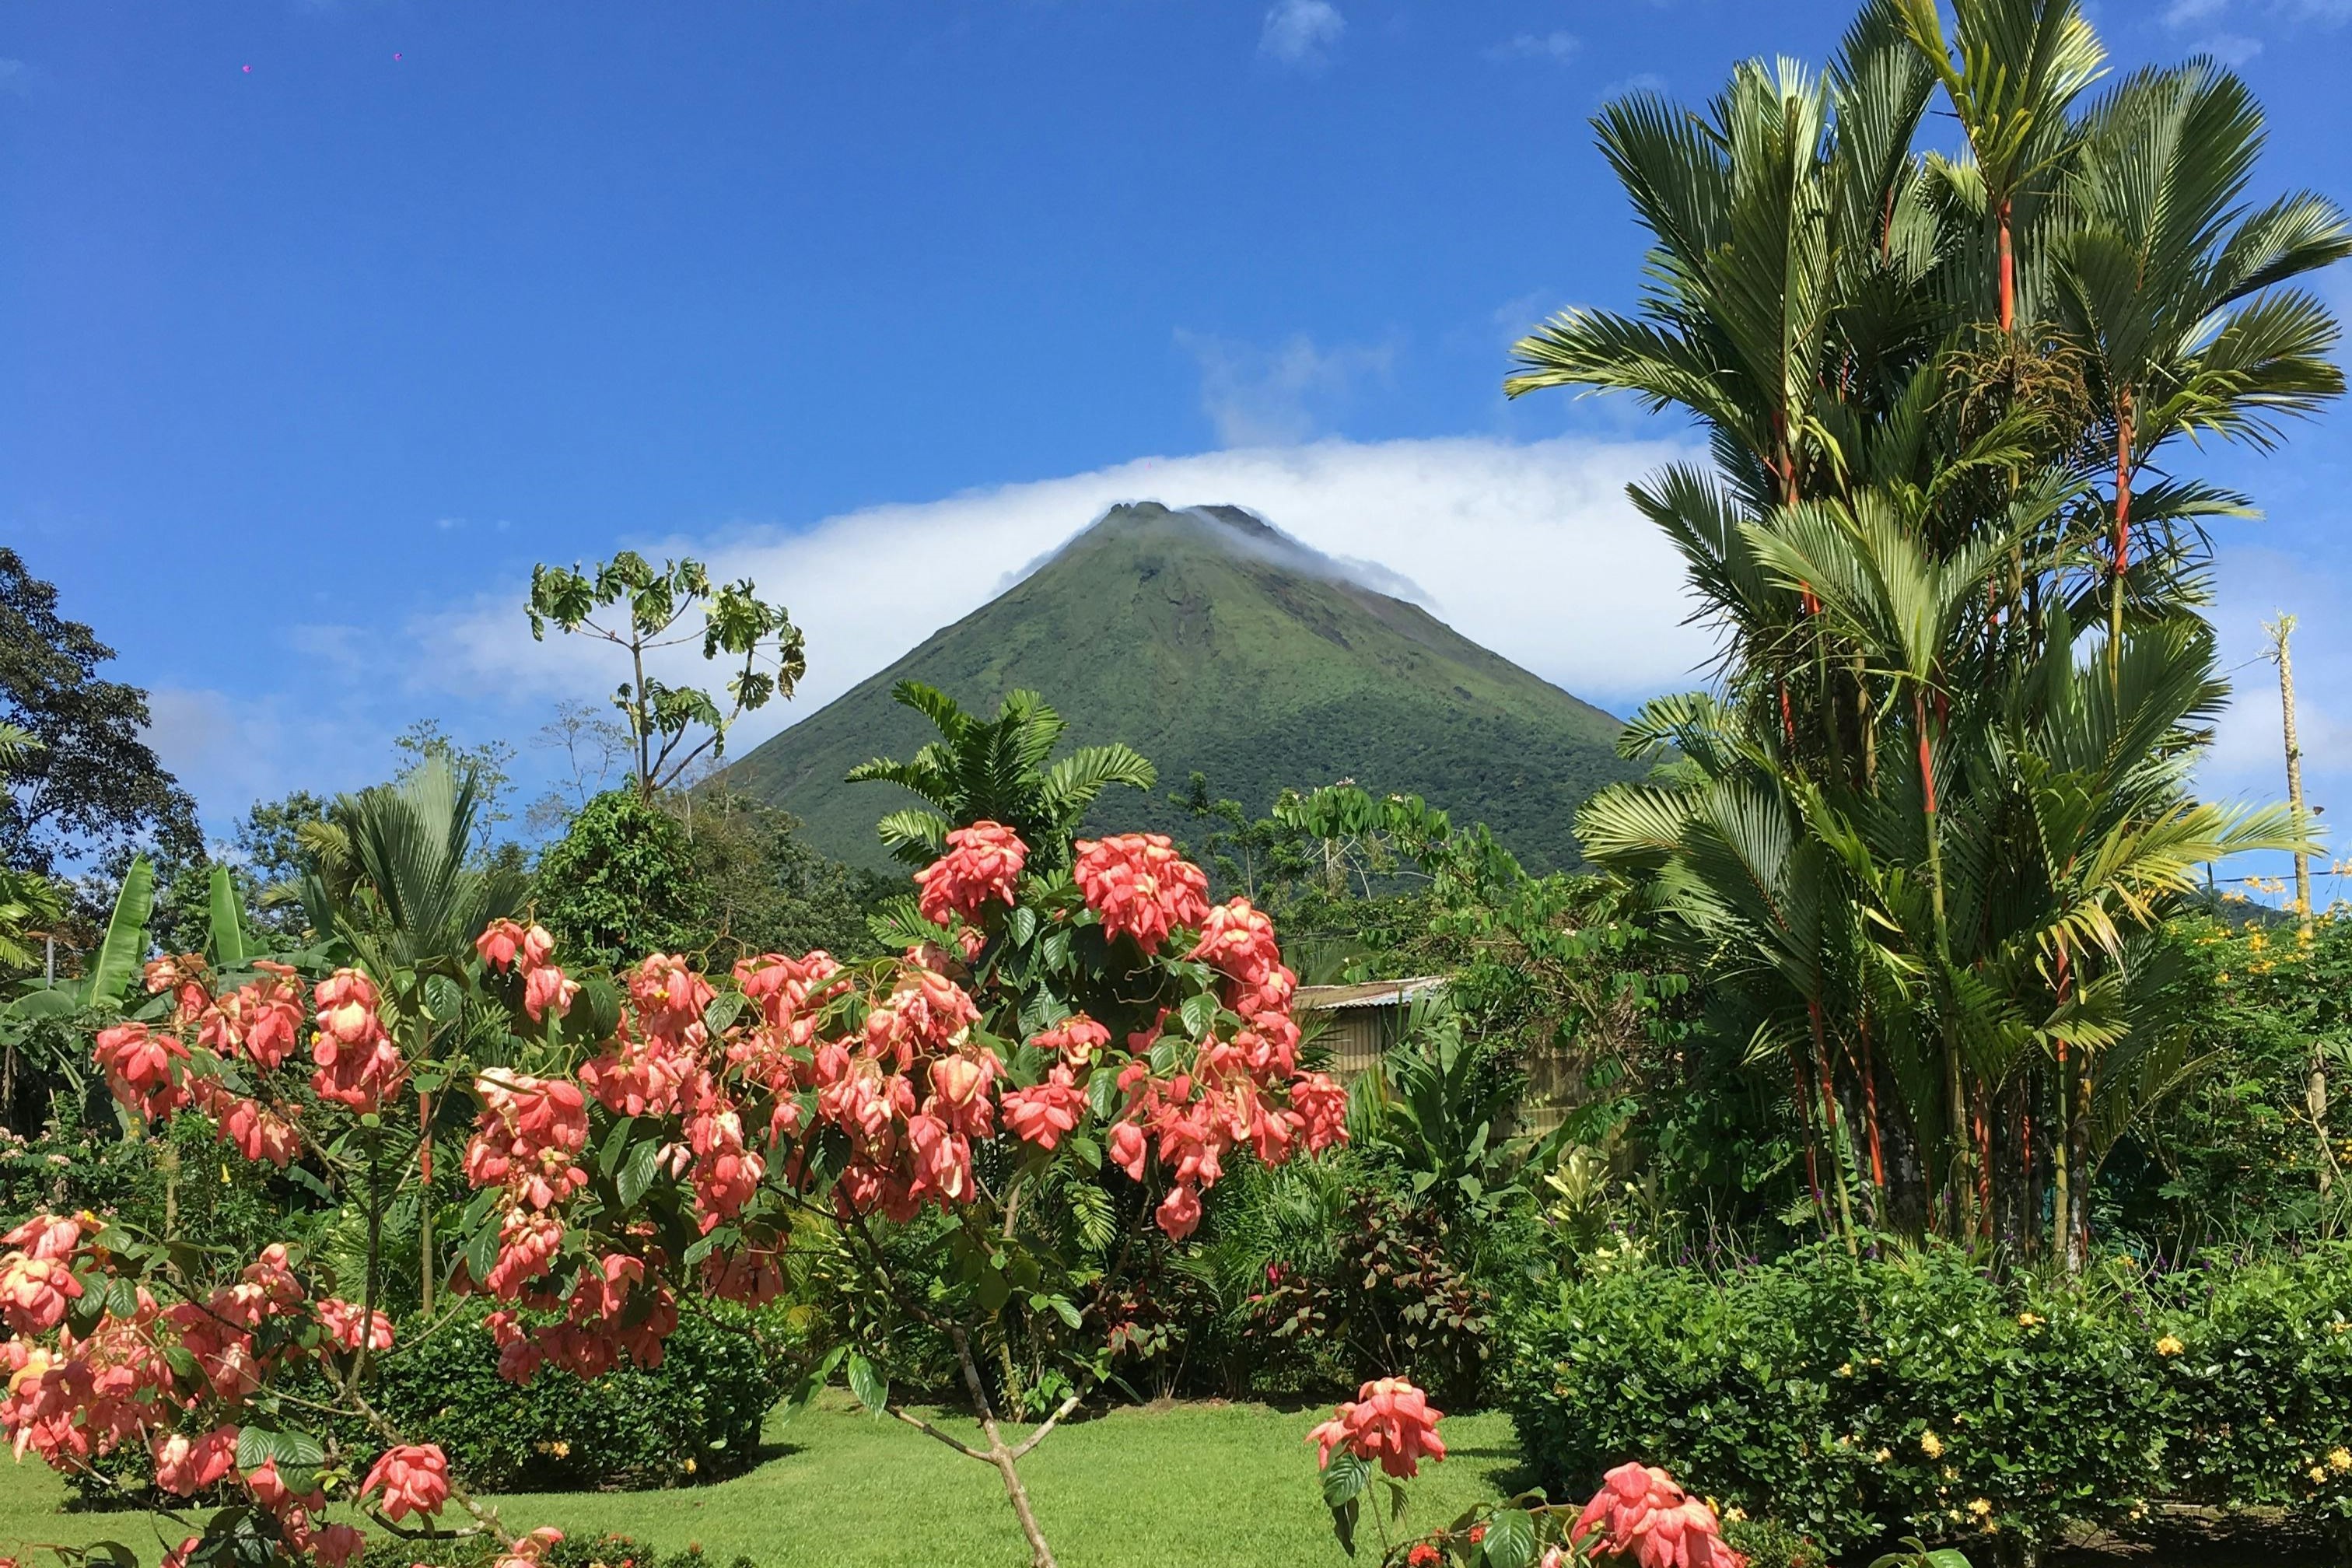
(227, 920)
(1510, 1538)
(1344, 1477)
(637, 1174)
(872, 1389)
(125, 945)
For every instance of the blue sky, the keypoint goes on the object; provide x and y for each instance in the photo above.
(327, 320)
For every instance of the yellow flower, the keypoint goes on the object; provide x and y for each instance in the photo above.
(2223, 977)
(1733, 1514)
(1884, 1455)
(690, 1466)
(2339, 1459)
(1931, 1444)
(2318, 1473)
(1845, 1371)
(560, 1448)
(1979, 1507)
(2169, 1346)
(2256, 941)
(2029, 1320)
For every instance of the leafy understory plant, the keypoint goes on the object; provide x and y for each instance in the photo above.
(986, 1142)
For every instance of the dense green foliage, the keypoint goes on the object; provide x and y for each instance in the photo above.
(1208, 642)
(714, 873)
(88, 786)
(1861, 1399)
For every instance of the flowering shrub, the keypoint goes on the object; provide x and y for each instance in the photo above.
(1639, 1518)
(1073, 1053)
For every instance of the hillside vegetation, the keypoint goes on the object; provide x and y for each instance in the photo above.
(1212, 642)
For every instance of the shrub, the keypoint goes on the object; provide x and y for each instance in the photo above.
(695, 1418)
(1852, 1400)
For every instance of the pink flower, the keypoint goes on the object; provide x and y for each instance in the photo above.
(499, 943)
(338, 1545)
(1127, 1150)
(982, 864)
(960, 1087)
(185, 1465)
(35, 1292)
(1179, 1211)
(1389, 1420)
(1142, 886)
(261, 1021)
(547, 991)
(414, 1478)
(45, 1235)
(1239, 939)
(1322, 1104)
(1042, 1114)
(1078, 1037)
(1639, 1512)
(141, 1067)
(341, 1320)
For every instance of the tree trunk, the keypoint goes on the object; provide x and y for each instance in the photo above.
(1000, 1454)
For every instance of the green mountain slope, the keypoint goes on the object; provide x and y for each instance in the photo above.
(1208, 640)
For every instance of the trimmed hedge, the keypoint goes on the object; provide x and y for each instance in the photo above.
(697, 1418)
(1859, 1401)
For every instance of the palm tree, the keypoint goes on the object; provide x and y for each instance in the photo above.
(1914, 852)
(995, 770)
(392, 875)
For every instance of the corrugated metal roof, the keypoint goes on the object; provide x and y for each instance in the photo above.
(1371, 993)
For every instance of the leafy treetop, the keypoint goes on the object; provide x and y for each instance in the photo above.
(661, 717)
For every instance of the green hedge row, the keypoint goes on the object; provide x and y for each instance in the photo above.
(697, 1418)
(1862, 1400)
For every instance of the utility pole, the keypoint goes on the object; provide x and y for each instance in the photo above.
(2280, 630)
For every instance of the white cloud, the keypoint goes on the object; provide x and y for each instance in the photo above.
(1640, 81)
(1591, 599)
(1301, 32)
(2230, 48)
(2191, 13)
(1282, 395)
(1559, 46)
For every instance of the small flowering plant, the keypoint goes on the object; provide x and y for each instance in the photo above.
(1047, 1078)
(1639, 1518)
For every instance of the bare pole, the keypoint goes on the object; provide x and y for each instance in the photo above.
(2280, 630)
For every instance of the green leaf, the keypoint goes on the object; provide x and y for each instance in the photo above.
(1510, 1538)
(125, 945)
(292, 1448)
(482, 1252)
(872, 1389)
(1343, 1525)
(1344, 1477)
(637, 1174)
(1197, 1014)
(227, 920)
(724, 1009)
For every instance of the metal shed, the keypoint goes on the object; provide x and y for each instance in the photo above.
(1360, 1023)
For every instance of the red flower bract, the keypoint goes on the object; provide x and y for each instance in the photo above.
(1639, 1512)
(1389, 1421)
(1142, 886)
(414, 1478)
(982, 865)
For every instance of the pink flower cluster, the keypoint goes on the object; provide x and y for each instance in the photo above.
(982, 865)
(507, 945)
(358, 1064)
(1142, 886)
(1389, 1421)
(80, 1399)
(1640, 1514)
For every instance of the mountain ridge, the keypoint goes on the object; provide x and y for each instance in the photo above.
(1211, 641)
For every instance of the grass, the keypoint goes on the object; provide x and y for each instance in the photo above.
(1210, 1484)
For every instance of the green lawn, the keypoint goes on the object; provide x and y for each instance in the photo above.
(1231, 1486)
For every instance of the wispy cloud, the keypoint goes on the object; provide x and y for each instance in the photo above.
(1640, 81)
(1301, 33)
(1282, 395)
(2230, 48)
(1441, 513)
(2183, 14)
(1557, 46)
